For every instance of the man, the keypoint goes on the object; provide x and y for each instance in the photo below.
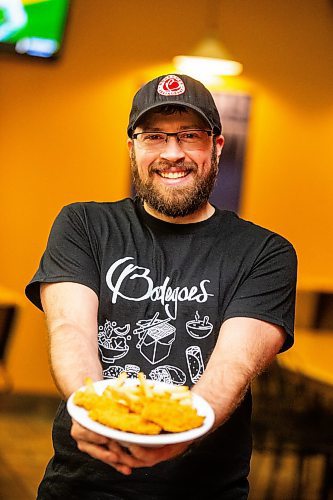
(110, 267)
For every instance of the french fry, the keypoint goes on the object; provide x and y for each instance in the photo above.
(121, 379)
(144, 385)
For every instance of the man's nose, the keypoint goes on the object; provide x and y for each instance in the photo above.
(172, 150)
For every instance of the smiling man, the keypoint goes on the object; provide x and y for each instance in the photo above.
(110, 268)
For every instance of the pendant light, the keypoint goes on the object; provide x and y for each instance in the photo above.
(209, 58)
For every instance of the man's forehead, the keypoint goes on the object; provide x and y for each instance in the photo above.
(183, 118)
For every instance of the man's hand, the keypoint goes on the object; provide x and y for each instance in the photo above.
(120, 458)
(104, 449)
(152, 456)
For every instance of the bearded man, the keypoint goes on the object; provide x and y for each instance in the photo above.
(169, 253)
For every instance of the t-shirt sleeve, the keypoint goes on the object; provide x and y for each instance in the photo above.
(69, 256)
(268, 291)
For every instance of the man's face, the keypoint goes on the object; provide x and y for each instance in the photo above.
(175, 180)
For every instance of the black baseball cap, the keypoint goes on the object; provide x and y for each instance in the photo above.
(175, 89)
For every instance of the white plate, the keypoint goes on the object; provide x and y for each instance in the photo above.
(81, 416)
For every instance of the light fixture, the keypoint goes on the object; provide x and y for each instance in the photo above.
(210, 58)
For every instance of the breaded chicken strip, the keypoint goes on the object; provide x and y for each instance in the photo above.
(89, 400)
(172, 416)
(86, 399)
(124, 422)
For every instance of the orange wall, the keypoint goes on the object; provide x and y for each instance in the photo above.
(63, 130)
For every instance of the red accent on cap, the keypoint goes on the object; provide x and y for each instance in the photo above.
(171, 85)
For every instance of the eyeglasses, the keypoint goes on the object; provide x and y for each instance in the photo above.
(188, 139)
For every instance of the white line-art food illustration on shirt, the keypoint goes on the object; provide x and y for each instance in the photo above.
(112, 338)
(199, 328)
(194, 362)
(114, 371)
(132, 370)
(155, 338)
(168, 296)
(168, 374)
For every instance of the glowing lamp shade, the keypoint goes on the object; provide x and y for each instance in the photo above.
(211, 65)
(209, 58)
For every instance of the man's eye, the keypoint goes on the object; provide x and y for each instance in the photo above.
(153, 137)
(189, 135)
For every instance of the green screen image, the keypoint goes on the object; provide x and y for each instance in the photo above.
(33, 27)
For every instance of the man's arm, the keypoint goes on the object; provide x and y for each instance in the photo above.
(244, 348)
(71, 316)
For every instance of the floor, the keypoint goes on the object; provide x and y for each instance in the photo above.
(273, 479)
(25, 447)
(25, 444)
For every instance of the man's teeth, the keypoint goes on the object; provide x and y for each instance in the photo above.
(173, 175)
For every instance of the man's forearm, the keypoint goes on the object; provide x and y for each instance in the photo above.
(73, 357)
(71, 317)
(245, 347)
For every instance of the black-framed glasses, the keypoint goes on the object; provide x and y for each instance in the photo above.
(187, 139)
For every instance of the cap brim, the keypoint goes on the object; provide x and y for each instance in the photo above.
(130, 129)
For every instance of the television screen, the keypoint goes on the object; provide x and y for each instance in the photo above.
(33, 27)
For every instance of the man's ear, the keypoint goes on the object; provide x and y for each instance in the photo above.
(129, 145)
(219, 141)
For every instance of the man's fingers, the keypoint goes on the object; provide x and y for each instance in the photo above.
(99, 447)
(124, 469)
(124, 456)
(80, 433)
(112, 453)
(104, 455)
(148, 457)
(103, 449)
(100, 452)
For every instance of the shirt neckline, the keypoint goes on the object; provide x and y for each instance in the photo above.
(172, 228)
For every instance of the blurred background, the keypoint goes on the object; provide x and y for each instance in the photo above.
(63, 139)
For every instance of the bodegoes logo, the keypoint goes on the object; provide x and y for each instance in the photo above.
(171, 85)
(117, 280)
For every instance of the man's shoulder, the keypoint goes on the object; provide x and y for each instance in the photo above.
(243, 230)
(92, 215)
(99, 208)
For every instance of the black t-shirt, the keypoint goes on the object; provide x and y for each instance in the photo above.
(164, 290)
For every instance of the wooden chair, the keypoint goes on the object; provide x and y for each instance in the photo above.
(7, 320)
(292, 414)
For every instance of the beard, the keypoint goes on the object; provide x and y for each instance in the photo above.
(174, 201)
